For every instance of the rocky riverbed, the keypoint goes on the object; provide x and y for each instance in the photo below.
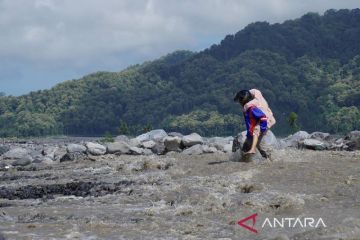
(175, 195)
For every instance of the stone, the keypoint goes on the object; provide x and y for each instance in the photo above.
(314, 144)
(155, 135)
(238, 141)
(136, 151)
(4, 149)
(192, 139)
(159, 148)
(175, 134)
(118, 147)
(296, 139)
(73, 156)
(60, 153)
(148, 144)
(208, 149)
(353, 140)
(122, 138)
(22, 162)
(320, 136)
(95, 148)
(218, 142)
(194, 150)
(134, 142)
(228, 148)
(172, 143)
(16, 153)
(49, 152)
(147, 151)
(72, 148)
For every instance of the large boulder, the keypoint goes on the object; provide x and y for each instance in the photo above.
(238, 141)
(238, 155)
(148, 144)
(219, 142)
(353, 140)
(60, 153)
(95, 148)
(17, 153)
(118, 148)
(73, 156)
(155, 135)
(22, 161)
(192, 139)
(159, 148)
(320, 136)
(314, 144)
(75, 148)
(172, 143)
(194, 150)
(4, 149)
(134, 142)
(49, 152)
(295, 140)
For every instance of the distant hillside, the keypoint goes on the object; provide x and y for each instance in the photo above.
(309, 66)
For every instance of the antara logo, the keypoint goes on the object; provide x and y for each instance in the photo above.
(307, 222)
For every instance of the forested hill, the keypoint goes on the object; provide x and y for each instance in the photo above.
(307, 68)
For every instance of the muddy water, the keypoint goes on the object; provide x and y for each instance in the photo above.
(182, 197)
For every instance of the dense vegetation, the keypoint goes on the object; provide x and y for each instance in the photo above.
(308, 69)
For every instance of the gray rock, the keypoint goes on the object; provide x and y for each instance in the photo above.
(175, 134)
(314, 144)
(353, 140)
(73, 156)
(134, 142)
(172, 143)
(4, 149)
(148, 144)
(296, 139)
(136, 151)
(147, 151)
(95, 148)
(73, 148)
(49, 152)
(208, 149)
(155, 135)
(238, 141)
(22, 162)
(60, 153)
(228, 148)
(320, 136)
(218, 142)
(118, 147)
(159, 148)
(192, 139)
(17, 153)
(122, 138)
(194, 150)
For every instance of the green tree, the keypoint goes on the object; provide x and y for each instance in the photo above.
(293, 122)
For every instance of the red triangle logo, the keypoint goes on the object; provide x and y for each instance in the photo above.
(242, 223)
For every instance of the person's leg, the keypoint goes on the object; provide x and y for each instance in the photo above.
(253, 145)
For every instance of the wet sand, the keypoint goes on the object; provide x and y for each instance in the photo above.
(182, 197)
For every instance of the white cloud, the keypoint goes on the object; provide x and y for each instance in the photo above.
(83, 36)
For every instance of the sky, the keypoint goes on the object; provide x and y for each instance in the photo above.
(44, 42)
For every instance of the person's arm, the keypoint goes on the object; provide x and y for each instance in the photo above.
(260, 118)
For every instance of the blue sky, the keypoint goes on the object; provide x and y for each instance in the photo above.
(44, 42)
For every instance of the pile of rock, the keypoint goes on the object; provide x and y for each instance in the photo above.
(322, 141)
(153, 142)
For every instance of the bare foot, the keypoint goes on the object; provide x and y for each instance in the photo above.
(250, 152)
